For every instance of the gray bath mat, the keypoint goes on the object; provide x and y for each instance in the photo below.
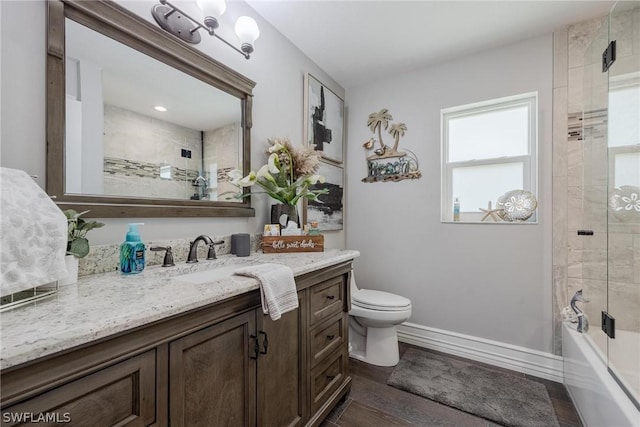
(506, 399)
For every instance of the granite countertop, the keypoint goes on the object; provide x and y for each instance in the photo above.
(101, 305)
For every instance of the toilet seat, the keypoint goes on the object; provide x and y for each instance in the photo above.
(379, 300)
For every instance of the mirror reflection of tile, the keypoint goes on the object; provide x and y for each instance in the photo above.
(153, 166)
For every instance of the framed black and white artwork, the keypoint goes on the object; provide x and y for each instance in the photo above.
(323, 119)
(329, 213)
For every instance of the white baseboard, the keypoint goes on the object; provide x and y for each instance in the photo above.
(515, 358)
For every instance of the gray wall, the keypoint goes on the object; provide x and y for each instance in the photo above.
(485, 280)
(276, 66)
(490, 281)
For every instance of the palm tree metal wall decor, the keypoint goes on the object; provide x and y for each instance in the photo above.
(387, 163)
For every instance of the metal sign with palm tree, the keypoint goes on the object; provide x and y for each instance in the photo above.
(397, 130)
(377, 121)
(387, 163)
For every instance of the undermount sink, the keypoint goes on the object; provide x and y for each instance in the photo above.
(213, 274)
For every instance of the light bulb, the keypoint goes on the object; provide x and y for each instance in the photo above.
(247, 30)
(213, 8)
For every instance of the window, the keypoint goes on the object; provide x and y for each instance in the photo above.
(624, 131)
(488, 148)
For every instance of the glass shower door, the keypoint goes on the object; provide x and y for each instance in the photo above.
(591, 250)
(623, 191)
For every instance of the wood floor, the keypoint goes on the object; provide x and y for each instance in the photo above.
(372, 403)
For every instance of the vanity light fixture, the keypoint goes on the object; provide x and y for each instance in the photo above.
(160, 108)
(180, 24)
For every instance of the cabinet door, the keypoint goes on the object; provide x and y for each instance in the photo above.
(122, 394)
(212, 378)
(282, 370)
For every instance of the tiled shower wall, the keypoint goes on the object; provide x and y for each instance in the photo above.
(605, 265)
(222, 147)
(134, 148)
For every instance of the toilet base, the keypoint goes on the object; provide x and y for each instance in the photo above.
(380, 349)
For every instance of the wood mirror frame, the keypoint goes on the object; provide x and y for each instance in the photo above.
(118, 23)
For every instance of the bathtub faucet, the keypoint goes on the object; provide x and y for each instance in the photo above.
(583, 321)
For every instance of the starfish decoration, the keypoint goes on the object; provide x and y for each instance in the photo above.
(493, 213)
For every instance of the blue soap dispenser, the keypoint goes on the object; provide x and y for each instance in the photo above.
(132, 251)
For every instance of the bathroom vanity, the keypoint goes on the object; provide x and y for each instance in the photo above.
(162, 349)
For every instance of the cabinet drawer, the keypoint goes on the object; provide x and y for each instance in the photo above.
(327, 337)
(122, 394)
(327, 377)
(326, 299)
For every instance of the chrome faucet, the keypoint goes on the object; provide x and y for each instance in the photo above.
(193, 249)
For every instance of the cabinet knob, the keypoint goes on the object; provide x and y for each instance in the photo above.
(330, 377)
(330, 297)
(330, 337)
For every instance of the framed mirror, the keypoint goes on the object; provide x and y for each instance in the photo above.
(138, 123)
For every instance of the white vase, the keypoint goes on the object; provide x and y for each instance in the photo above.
(71, 261)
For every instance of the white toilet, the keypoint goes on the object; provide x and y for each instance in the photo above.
(372, 325)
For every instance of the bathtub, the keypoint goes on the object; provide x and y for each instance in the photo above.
(600, 401)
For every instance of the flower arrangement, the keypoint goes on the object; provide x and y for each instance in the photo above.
(288, 175)
(77, 243)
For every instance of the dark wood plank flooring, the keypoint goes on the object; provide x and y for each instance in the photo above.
(372, 403)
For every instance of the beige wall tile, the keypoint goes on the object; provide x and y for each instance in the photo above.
(623, 303)
(621, 30)
(560, 126)
(580, 39)
(636, 32)
(595, 291)
(594, 208)
(560, 57)
(574, 205)
(560, 209)
(575, 90)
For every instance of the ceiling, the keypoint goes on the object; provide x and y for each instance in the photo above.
(137, 82)
(358, 42)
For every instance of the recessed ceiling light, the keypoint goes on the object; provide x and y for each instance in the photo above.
(160, 108)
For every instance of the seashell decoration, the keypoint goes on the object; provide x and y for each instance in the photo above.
(516, 205)
(624, 203)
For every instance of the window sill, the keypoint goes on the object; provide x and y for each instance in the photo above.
(489, 222)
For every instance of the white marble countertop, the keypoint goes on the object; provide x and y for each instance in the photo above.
(101, 305)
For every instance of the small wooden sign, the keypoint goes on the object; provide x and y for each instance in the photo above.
(282, 244)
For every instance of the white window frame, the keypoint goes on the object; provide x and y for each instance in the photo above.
(529, 161)
(617, 83)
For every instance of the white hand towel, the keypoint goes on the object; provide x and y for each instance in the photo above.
(33, 234)
(277, 288)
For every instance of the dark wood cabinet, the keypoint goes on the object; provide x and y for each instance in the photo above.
(212, 378)
(248, 370)
(282, 367)
(121, 394)
(227, 364)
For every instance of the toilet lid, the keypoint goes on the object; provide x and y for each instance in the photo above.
(378, 300)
